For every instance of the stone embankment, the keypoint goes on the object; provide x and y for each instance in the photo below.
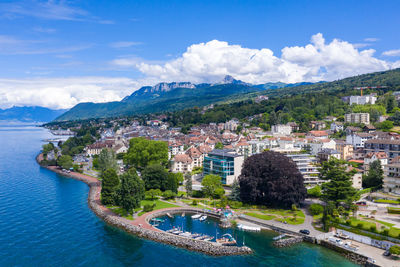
(210, 248)
(287, 242)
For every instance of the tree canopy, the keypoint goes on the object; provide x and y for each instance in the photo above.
(339, 186)
(211, 183)
(131, 191)
(374, 178)
(107, 160)
(270, 178)
(65, 161)
(155, 176)
(143, 152)
(109, 185)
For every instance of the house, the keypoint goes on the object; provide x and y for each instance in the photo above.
(318, 134)
(351, 130)
(345, 149)
(225, 163)
(295, 127)
(373, 156)
(120, 148)
(196, 156)
(281, 129)
(356, 178)
(317, 125)
(357, 118)
(182, 163)
(358, 139)
(337, 126)
(327, 154)
(261, 98)
(95, 148)
(369, 128)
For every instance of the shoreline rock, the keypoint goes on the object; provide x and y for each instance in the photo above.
(206, 247)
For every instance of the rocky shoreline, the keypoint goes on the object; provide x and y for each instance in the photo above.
(209, 248)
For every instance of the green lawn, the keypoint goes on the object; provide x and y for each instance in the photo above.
(291, 220)
(261, 216)
(159, 205)
(389, 201)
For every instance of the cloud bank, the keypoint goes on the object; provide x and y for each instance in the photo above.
(204, 62)
(208, 62)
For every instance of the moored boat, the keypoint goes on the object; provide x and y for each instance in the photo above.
(196, 216)
(226, 240)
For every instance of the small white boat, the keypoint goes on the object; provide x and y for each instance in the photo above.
(209, 238)
(186, 234)
(203, 218)
(196, 216)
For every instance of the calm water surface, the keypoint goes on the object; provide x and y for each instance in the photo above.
(45, 221)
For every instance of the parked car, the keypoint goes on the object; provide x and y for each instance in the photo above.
(304, 231)
(361, 203)
(386, 253)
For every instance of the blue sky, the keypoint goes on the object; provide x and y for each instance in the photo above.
(59, 53)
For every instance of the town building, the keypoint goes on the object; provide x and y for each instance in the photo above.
(337, 126)
(327, 154)
(357, 140)
(373, 156)
(357, 118)
(308, 167)
(181, 163)
(317, 125)
(225, 163)
(345, 149)
(391, 181)
(362, 100)
(281, 129)
(390, 146)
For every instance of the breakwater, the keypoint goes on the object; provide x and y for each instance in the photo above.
(287, 242)
(209, 248)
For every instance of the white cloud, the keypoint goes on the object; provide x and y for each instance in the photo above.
(124, 44)
(371, 39)
(392, 53)
(209, 62)
(63, 92)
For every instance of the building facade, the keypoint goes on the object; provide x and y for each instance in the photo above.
(357, 118)
(307, 165)
(224, 163)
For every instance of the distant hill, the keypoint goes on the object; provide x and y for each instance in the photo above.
(30, 114)
(167, 97)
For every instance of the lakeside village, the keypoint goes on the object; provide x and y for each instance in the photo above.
(338, 182)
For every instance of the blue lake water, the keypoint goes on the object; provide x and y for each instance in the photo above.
(45, 221)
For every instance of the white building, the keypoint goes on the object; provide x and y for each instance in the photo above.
(362, 100)
(281, 129)
(337, 126)
(358, 139)
(307, 165)
(391, 181)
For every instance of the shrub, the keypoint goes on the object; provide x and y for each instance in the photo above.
(169, 194)
(194, 202)
(373, 228)
(235, 204)
(219, 192)
(314, 192)
(385, 232)
(395, 250)
(197, 194)
(148, 207)
(348, 222)
(360, 225)
(393, 210)
(316, 209)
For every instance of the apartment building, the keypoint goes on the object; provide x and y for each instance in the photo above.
(391, 181)
(307, 165)
(390, 146)
(357, 118)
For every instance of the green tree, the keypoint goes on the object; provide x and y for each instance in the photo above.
(211, 183)
(47, 148)
(65, 161)
(109, 185)
(172, 182)
(315, 191)
(395, 250)
(155, 176)
(107, 160)
(339, 186)
(130, 192)
(219, 145)
(385, 125)
(143, 152)
(235, 191)
(153, 193)
(374, 178)
(316, 209)
(188, 184)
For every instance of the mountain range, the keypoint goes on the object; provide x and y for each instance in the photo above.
(30, 114)
(168, 97)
